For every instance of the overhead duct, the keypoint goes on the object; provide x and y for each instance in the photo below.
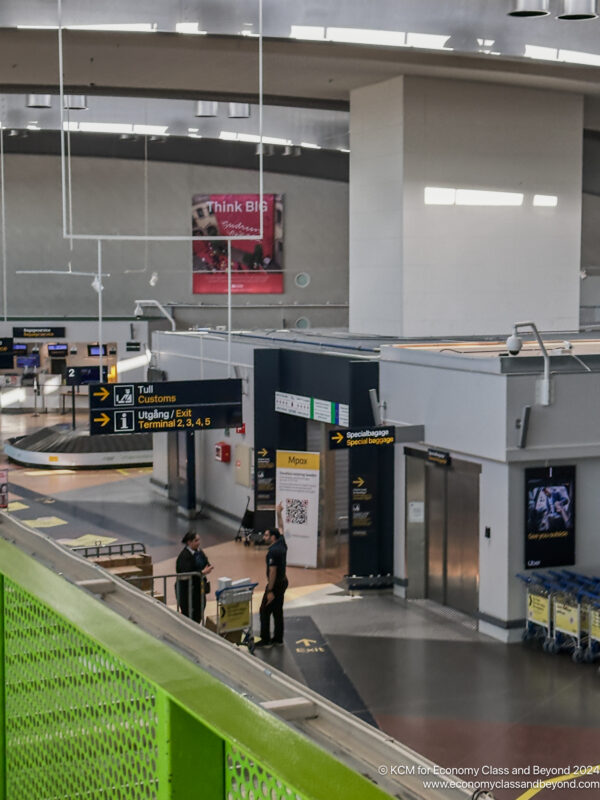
(75, 102)
(578, 10)
(39, 101)
(207, 108)
(530, 8)
(238, 111)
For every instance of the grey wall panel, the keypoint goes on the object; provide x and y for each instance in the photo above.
(108, 197)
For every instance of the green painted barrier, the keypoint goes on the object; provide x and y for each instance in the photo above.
(93, 707)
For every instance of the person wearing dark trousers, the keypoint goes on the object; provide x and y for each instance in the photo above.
(191, 599)
(277, 583)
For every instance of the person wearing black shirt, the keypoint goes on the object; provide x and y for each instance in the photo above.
(192, 559)
(277, 583)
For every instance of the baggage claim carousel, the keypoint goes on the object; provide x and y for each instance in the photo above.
(59, 446)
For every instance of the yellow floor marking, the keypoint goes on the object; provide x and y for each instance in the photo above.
(123, 472)
(558, 779)
(15, 505)
(45, 522)
(36, 473)
(88, 540)
(300, 591)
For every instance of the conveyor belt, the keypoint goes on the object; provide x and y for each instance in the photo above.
(59, 446)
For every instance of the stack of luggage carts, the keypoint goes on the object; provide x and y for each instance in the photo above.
(563, 612)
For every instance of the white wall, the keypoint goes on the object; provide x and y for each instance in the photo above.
(376, 176)
(463, 270)
(461, 401)
(471, 270)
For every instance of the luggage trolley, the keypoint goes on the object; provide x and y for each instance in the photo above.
(234, 614)
(538, 608)
(591, 612)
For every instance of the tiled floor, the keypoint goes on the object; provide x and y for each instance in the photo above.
(430, 680)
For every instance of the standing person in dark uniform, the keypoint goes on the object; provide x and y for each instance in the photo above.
(277, 583)
(192, 559)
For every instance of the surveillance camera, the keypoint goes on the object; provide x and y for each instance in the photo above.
(514, 344)
(138, 311)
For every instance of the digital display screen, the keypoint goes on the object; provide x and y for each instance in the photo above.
(94, 349)
(57, 350)
(28, 362)
(20, 348)
(550, 517)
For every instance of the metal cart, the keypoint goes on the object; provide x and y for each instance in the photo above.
(538, 609)
(234, 614)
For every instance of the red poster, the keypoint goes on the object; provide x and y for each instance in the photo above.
(256, 265)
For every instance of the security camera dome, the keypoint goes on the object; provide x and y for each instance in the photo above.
(514, 344)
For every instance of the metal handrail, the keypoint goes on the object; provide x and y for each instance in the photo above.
(179, 576)
(122, 549)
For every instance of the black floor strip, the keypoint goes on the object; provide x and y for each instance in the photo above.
(321, 669)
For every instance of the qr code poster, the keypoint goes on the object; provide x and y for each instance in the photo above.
(297, 489)
(296, 510)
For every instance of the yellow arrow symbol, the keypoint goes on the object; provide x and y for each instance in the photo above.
(337, 437)
(102, 394)
(306, 642)
(104, 419)
(262, 452)
(359, 482)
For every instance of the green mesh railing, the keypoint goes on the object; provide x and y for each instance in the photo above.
(92, 707)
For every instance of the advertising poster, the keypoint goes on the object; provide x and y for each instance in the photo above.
(256, 266)
(297, 481)
(550, 517)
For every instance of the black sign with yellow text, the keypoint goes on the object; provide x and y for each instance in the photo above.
(165, 406)
(38, 333)
(362, 437)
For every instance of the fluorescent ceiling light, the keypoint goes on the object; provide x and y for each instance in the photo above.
(367, 36)
(193, 130)
(194, 136)
(229, 136)
(33, 126)
(428, 41)
(160, 130)
(541, 53)
(132, 27)
(478, 197)
(248, 137)
(438, 196)
(578, 57)
(307, 32)
(189, 27)
(344, 149)
(37, 27)
(446, 196)
(248, 33)
(548, 200)
(310, 145)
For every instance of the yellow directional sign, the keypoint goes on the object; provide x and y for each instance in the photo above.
(306, 642)
(263, 452)
(338, 437)
(103, 419)
(359, 482)
(102, 394)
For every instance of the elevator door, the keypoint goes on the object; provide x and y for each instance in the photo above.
(453, 535)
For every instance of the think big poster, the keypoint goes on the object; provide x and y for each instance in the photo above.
(256, 265)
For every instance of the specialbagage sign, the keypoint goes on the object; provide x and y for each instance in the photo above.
(256, 265)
